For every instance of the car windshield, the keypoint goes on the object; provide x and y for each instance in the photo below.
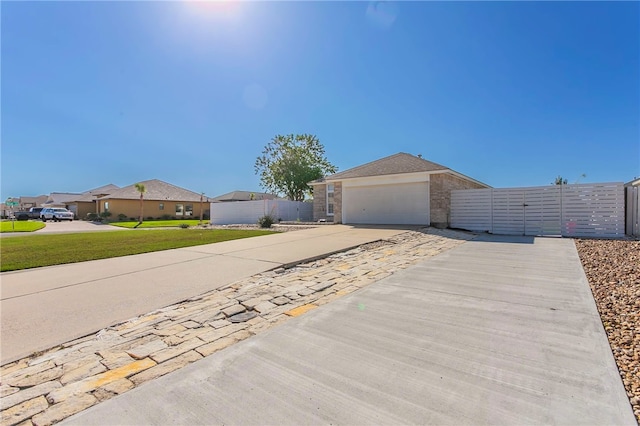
(59, 210)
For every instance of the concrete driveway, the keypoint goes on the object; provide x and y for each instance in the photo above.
(65, 227)
(502, 330)
(76, 226)
(44, 307)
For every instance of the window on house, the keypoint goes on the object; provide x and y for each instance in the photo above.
(189, 210)
(161, 206)
(106, 206)
(330, 190)
(179, 209)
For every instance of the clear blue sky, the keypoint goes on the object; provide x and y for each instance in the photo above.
(509, 93)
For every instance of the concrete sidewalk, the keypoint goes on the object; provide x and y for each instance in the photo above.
(44, 307)
(502, 330)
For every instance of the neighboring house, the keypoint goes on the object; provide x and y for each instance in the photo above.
(27, 202)
(400, 189)
(61, 199)
(243, 196)
(86, 202)
(160, 199)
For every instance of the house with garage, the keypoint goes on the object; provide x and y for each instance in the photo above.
(160, 200)
(401, 189)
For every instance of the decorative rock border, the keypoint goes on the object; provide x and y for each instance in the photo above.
(46, 388)
(613, 270)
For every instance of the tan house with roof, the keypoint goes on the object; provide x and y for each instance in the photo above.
(401, 189)
(86, 203)
(161, 199)
(25, 203)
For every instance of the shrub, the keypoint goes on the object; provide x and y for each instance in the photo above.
(92, 216)
(165, 217)
(184, 225)
(266, 221)
(122, 217)
(132, 219)
(149, 217)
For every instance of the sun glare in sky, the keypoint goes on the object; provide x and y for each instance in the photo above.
(215, 10)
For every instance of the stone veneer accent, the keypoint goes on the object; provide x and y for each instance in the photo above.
(337, 202)
(320, 203)
(440, 187)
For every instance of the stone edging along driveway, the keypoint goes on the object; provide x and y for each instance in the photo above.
(48, 387)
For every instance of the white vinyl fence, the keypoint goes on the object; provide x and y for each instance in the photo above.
(581, 210)
(244, 212)
(633, 210)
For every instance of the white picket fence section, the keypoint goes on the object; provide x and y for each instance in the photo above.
(581, 210)
(248, 212)
(633, 211)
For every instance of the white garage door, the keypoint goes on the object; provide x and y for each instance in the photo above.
(401, 204)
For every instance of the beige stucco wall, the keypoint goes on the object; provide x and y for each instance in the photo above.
(131, 208)
(440, 196)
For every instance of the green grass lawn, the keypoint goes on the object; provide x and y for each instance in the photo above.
(20, 226)
(55, 249)
(159, 223)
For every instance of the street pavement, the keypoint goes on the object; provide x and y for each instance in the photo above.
(44, 307)
(499, 330)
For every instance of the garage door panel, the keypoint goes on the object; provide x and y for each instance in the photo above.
(402, 204)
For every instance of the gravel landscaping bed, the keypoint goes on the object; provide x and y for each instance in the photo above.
(276, 227)
(613, 270)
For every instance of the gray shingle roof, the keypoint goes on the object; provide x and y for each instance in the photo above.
(61, 198)
(90, 195)
(38, 200)
(243, 196)
(392, 165)
(155, 190)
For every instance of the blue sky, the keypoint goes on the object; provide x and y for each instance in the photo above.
(509, 93)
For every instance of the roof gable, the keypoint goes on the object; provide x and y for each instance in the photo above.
(391, 165)
(155, 190)
(61, 198)
(34, 200)
(92, 194)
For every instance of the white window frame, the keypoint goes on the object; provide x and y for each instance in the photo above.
(331, 189)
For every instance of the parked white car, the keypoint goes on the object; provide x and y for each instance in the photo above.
(56, 214)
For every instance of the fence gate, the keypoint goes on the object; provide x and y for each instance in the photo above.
(526, 211)
(595, 210)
